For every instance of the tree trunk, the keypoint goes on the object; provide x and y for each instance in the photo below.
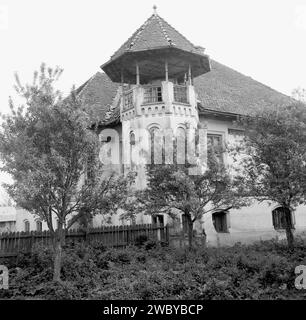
(289, 233)
(204, 237)
(58, 244)
(190, 232)
(57, 261)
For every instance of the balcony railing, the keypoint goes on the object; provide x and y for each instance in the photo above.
(180, 93)
(128, 100)
(152, 94)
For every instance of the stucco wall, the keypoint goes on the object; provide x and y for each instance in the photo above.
(18, 216)
(252, 223)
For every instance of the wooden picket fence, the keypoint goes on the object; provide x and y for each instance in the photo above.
(12, 243)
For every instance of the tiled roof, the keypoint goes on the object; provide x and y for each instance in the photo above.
(155, 33)
(98, 94)
(222, 89)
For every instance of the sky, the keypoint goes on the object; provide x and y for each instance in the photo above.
(264, 39)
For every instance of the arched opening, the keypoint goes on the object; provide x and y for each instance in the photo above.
(220, 221)
(26, 226)
(279, 215)
(180, 146)
(132, 148)
(156, 146)
(38, 225)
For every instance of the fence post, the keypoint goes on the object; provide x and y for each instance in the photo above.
(112, 236)
(32, 241)
(159, 232)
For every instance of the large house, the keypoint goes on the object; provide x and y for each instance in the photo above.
(14, 219)
(158, 80)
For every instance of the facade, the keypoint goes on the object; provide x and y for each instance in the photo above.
(158, 81)
(13, 219)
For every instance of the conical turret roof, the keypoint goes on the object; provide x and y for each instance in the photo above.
(156, 33)
(155, 41)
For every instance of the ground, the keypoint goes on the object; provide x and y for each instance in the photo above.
(263, 270)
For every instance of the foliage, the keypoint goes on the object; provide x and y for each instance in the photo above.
(171, 189)
(272, 157)
(46, 146)
(299, 94)
(264, 270)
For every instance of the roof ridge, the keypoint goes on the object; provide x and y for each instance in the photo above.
(178, 32)
(138, 32)
(132, 37)
(164, 31)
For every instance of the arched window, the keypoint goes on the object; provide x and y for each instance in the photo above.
(132, 148)
(279, 218)
(26, 226)
(221, 221)
(180, 146)
(38, 225)
(156, 145)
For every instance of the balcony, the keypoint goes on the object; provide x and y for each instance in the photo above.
(152, 94)
(156, 99)
(128, 102)
(180, 93)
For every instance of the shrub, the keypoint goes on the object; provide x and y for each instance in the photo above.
(264, 270)
(141, 240)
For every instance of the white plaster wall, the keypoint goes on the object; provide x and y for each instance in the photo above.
(247, 224)
(164, 115)
(111, 152)
(22, 215)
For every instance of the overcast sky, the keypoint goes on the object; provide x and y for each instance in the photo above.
(264, 39)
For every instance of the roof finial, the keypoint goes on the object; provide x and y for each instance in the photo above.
(154, 8)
